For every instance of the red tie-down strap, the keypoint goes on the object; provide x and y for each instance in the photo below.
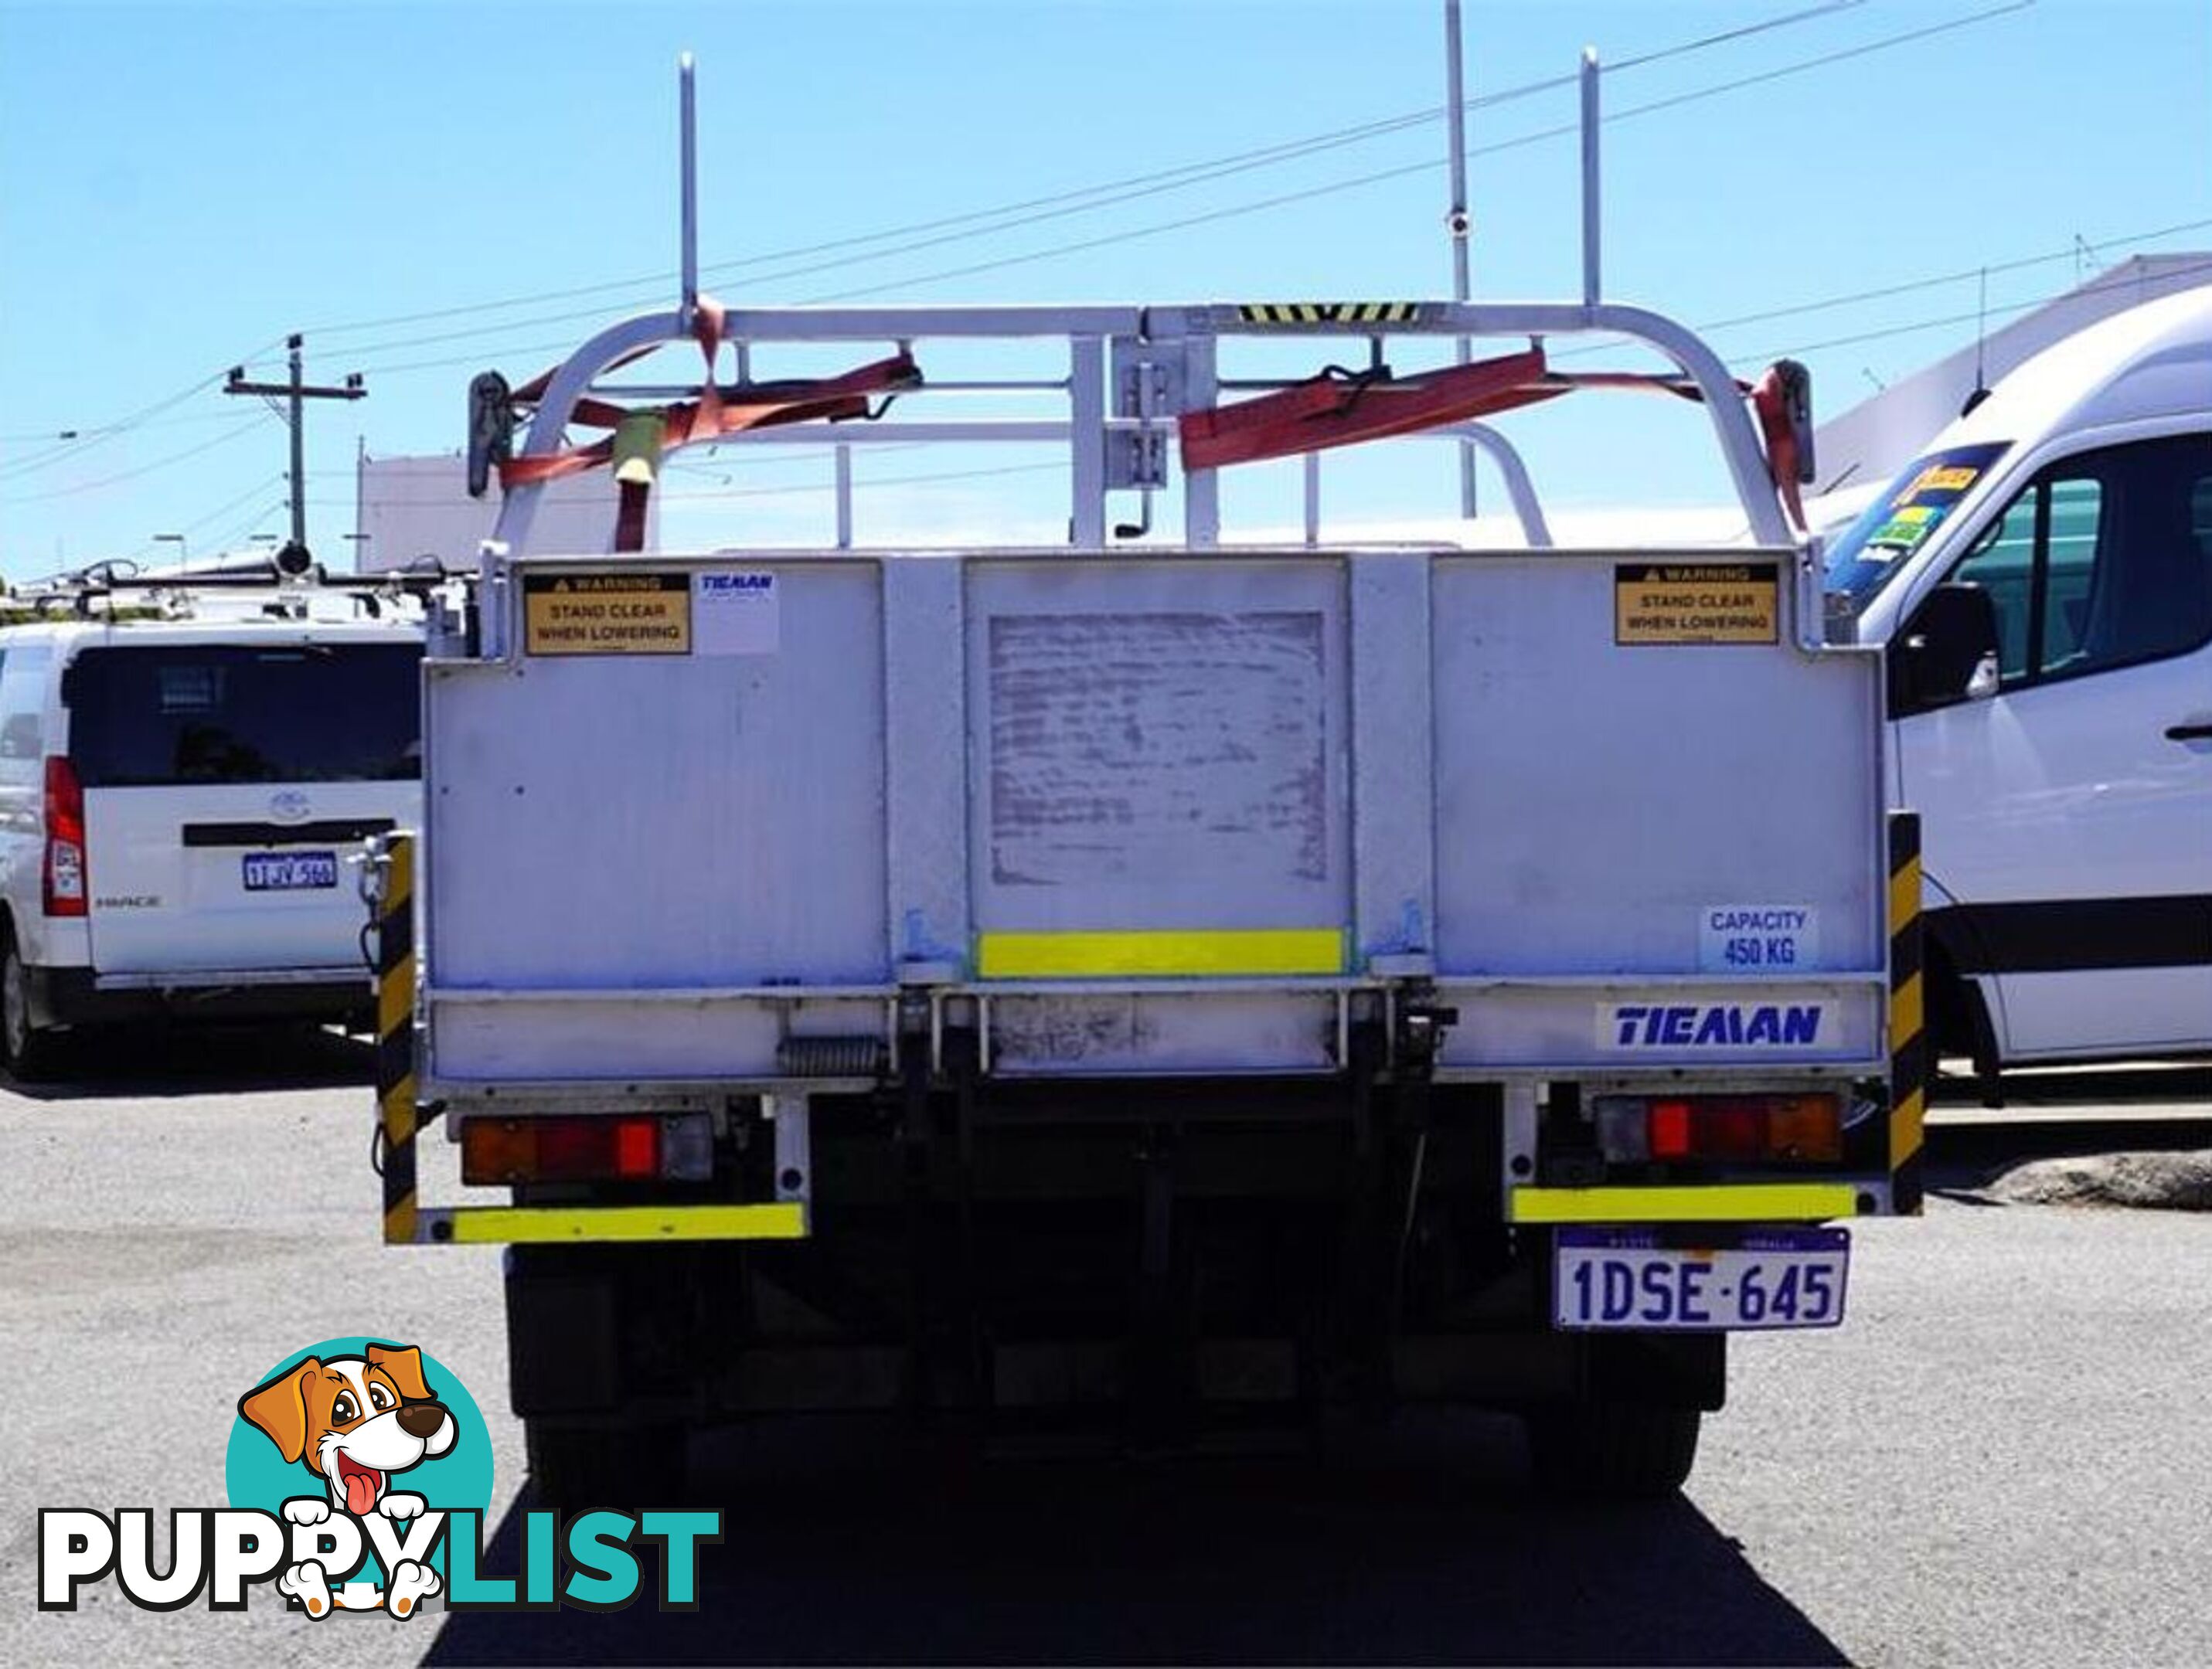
(762, 405)
(1334, 409)
(1781, 401)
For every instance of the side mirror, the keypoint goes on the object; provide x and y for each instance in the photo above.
(1946, 654)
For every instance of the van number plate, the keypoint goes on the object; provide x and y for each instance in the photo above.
(1624, 1280)
(290, 872)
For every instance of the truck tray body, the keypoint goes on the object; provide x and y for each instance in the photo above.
(1148, 814)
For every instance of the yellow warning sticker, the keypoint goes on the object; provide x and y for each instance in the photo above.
(642, 613)
(1696, 603)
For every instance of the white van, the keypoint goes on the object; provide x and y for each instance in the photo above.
(2043, 578)
(183, 779)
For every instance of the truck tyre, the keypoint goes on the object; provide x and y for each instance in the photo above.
(29, 1051)
(573, 1467)
(1607, 1450)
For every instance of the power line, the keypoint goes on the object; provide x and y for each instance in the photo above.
(1357, 181)
(2128, 282)
(222, 509)
(1078, 200)
(86, 439)
(227, 436)
(1261, 205)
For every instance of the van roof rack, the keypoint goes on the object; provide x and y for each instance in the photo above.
(171, 593)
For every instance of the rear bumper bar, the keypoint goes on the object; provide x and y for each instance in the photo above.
(80, 996)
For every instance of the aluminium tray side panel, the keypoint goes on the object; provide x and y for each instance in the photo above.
(1602, 809)
(648, 821)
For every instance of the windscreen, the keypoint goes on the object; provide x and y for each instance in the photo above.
(1865, 556)
(295, 713)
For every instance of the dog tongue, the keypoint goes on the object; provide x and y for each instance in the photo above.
(361, 1492)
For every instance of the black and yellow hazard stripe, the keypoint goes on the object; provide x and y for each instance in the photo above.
(1328, 313)
(1908, 1031)
(395, 1035)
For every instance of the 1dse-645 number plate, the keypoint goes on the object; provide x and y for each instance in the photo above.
(1627, 1280)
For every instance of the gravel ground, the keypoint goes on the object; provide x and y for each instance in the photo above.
(2003, 1457)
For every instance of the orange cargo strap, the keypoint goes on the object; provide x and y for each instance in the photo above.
(1779, 401)
(760, 405)
(1338, 409)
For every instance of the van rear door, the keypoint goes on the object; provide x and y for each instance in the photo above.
(226, 786)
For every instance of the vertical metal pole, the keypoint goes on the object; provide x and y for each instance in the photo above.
(1086, 439)
(1313, 499)
(1591, 287)
(690, 186)
(1456, 222)
(844, 497)
(299, 444)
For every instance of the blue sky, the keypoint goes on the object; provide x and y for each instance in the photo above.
(180, 186)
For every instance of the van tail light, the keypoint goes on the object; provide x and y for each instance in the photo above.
(1807, 1129)
(588, 1147)
(63, 883)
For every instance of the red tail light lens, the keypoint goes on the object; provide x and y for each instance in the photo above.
(1728, 1129)
(585, 1148)
(1669, 1128)
(64, 884)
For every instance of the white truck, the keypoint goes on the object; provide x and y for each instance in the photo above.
(1144, 976)
(2043, 581)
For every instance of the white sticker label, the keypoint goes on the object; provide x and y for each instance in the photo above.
(1755, 938)
(736, 613)
(1708, 1027)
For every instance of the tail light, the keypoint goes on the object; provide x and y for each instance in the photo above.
(589, 1147)
(63, 886)
(1805, 1129)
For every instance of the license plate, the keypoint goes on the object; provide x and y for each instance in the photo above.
(290, 872)
(1627, 1280)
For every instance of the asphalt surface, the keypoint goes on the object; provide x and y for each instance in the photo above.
(2004, 1458)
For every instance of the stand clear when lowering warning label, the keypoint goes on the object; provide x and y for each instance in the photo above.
(641, 613)
(1696, 603)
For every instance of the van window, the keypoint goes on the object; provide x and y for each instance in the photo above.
(2002, 563)
(1871, 552)
(2104, 561)
(297, 712)
(23, 670)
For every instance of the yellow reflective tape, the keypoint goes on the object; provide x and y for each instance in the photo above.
(1905, 1016)
(395, 999)
(399, 874)
(1732, 1202)
(1907, 1127)
(1273, 950)
(478, 1224)
(1904, 897)
(399, 1222)
(398, 1110)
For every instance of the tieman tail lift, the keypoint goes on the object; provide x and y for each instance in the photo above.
(1177, 978)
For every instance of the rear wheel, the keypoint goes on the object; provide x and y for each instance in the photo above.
(1607, 1450)
(29, 1050)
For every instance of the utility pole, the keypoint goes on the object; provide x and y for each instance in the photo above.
(294, 557)
(1458, 223)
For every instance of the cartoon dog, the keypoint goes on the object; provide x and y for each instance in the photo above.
(353, 1421)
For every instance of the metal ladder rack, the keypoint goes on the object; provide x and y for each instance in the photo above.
(1133, 372)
